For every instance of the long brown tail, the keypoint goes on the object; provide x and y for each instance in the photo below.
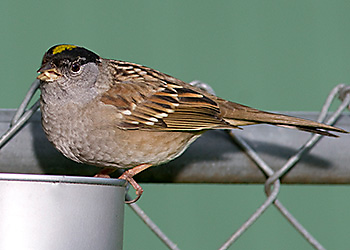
(240, 115)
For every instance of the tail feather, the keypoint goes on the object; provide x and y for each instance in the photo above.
(239, 115)
(311, 130)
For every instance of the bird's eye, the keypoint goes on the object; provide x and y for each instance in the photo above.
(75, 67)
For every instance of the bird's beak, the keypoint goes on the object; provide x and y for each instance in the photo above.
(48, 74)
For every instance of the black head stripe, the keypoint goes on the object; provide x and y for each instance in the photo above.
(57, 54)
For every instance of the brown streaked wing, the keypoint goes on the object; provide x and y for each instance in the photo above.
(161, 102)
(174, 109)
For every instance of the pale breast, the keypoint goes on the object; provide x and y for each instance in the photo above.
(89, 135)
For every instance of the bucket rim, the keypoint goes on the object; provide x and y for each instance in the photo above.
(62, 179)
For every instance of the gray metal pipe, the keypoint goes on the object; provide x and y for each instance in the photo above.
(213, 158)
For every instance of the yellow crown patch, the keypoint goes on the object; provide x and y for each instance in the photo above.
(63, 47)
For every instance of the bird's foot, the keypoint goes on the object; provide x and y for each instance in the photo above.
(105, 172)
(128, 176)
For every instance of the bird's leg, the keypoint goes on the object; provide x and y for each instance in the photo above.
(128, 176)
(105, 172)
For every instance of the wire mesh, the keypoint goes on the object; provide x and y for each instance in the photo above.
(272, 184)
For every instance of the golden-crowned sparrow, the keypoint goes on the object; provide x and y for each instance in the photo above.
(116, 114)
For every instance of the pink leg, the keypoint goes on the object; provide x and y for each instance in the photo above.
(128, 176)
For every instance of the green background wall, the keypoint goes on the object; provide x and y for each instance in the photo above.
(273, 55)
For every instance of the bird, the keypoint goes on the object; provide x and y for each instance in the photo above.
(120, 115)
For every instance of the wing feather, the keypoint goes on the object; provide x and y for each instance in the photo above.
(155, 101)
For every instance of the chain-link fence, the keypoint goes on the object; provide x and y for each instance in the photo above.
(272, 176)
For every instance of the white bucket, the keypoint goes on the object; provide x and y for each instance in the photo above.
(45, 212)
